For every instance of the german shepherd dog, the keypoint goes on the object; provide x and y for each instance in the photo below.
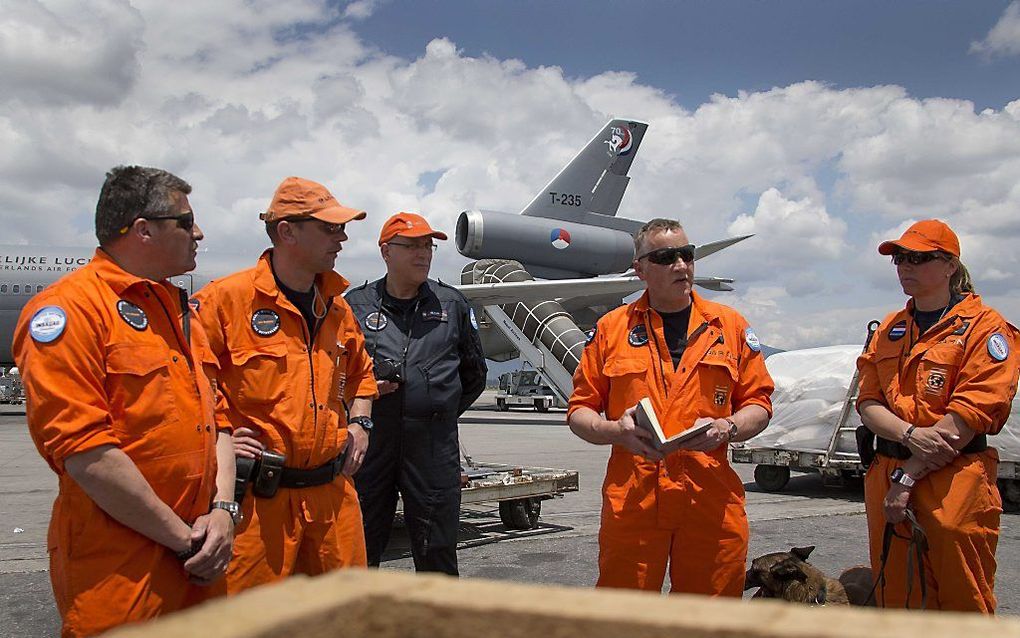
(788, 576)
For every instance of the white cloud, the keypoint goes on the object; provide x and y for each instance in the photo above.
(236, 95)
(1004, 38)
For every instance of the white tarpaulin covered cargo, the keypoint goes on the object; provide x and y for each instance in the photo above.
(811, 386)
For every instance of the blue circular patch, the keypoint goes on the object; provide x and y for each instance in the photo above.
(474, 320)
(47, 324)
(590, 335)
(132, 315)
(998, 347)
(638, 335)
(752, 340)
(896, 332)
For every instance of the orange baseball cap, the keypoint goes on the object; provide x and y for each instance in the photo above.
(408, 225)
(297, 197)
(924, 236)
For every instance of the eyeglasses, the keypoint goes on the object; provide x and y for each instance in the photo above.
(668, 256)
(184, 222)
(416, 247)
(915, 258)
(330, 229)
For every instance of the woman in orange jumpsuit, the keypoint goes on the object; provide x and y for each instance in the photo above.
(936, 380)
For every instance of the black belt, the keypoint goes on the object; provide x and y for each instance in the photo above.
(896, 450)
(295, 477)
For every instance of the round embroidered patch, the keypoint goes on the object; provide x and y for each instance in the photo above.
(752, 340)
(638, 335)
(896, 332)
(376, 321)
(132, 315)
(47, 324)
(474, 319)
(590, 335)
(265, 322)
(998, 347)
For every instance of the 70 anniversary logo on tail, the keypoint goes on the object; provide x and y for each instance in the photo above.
(620, 141)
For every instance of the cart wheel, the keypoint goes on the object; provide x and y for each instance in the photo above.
(500, 405)
(541, 406)
(1009, 489)
(771, 478)
(521, 513)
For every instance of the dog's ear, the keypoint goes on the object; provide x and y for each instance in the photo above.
(802, 552)
(787, 569)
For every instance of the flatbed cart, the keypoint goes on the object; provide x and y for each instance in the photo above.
(840, 463)
(519, 490)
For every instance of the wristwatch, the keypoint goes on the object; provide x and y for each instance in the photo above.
(364, 421)
(230, 507)
(901, 477)
(732, 432)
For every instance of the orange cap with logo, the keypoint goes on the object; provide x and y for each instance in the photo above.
(407, 225)
(923, 237)
(297, 197)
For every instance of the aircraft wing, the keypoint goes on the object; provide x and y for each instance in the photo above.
(600, 288)
(704, 250)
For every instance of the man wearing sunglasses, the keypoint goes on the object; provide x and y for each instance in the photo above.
(428, 359)
(296, 388)
(121, 408)
(699, 362)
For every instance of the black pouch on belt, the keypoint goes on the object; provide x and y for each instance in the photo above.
(268, 474)
(865, 445)
(245, 468)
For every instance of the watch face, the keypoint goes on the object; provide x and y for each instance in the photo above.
(896, 475)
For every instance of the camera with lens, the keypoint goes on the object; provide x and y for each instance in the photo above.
(387, 369)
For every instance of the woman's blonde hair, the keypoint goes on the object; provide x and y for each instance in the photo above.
(960, 282)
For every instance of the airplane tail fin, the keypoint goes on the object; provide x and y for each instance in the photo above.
(590, 187)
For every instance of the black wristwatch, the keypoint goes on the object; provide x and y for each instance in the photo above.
(364, 421)
(230, 507)
(901, 477)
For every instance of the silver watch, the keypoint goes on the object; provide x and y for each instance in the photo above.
(230, 507)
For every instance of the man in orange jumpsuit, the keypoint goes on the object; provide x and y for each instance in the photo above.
(698, 362)
(294, 378)
(938, 377)
(121, 409)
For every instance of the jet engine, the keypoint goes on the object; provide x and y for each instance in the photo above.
(548, 248)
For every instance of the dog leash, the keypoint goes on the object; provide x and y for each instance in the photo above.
(917, 547)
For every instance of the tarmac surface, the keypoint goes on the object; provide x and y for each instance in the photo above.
(562, 550)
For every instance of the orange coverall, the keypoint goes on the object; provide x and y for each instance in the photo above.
(137, 386)
(291, 396)
(689, 508)
(920, 379)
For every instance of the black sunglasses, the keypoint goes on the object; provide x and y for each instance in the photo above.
(915, 258)
(185, 221)
(331, 229)
(667, 256)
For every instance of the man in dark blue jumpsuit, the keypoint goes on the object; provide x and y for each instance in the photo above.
(423, 338)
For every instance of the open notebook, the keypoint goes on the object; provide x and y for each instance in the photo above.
(646, 418)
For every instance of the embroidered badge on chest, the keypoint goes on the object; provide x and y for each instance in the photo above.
(638, 335)
(936, 381)
(265, 322)
(376, 321)
(721, 392)
(132, 315)
(433, 315)
(896, 332)
(47, 324)
(998, 347)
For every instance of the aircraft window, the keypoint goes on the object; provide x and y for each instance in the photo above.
(16, 289)
(3, 289)
(38, 288)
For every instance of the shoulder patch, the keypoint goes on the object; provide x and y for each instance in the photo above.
(47, 324)
(998, 347)
(897, 331)
(474, 319)
(265, 322)
(590, 335)
(752, 340)
(132, 315)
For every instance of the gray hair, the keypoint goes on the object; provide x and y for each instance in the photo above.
(130, 192)
(657, 225)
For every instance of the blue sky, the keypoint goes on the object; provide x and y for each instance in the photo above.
(695, 49)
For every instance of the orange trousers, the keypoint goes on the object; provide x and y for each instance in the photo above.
(958, 507)
(310, 531)
(706, 556)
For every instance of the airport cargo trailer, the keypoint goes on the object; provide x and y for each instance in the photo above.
(815, 418)
(519, 490)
